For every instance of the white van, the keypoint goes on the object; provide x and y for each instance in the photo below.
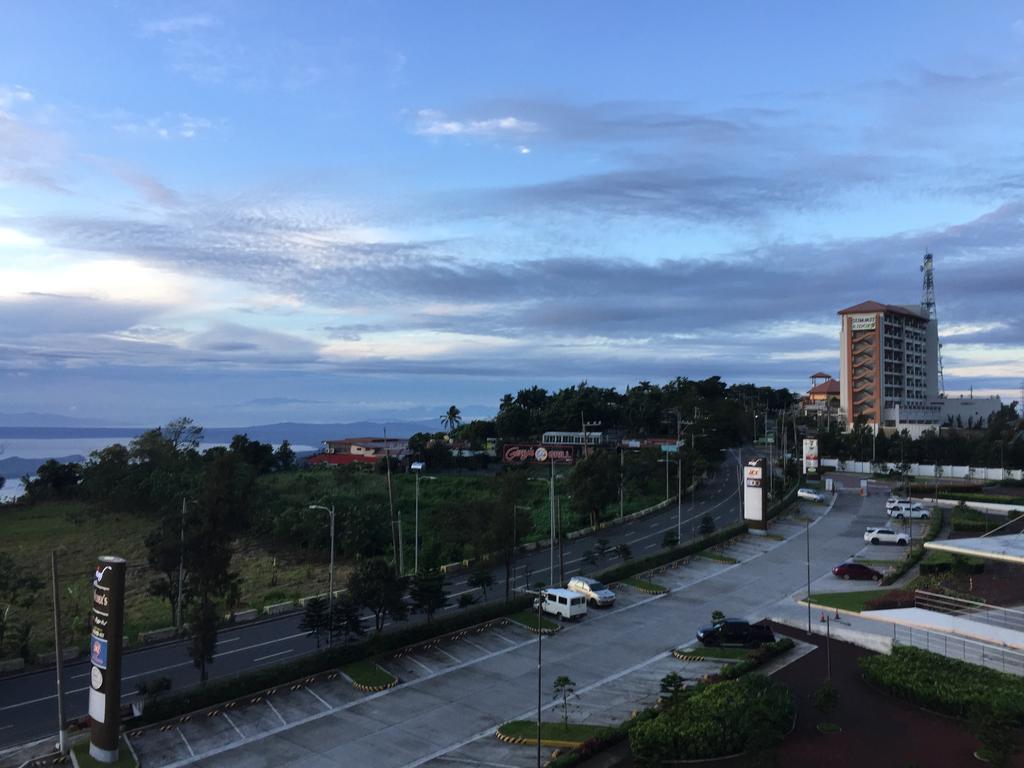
(563, 603)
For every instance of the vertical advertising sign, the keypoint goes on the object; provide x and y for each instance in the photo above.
(105, 656)
(810, 457)
(755, 494)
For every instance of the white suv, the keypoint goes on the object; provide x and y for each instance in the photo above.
(597, 594)
(908, 509)
(885, 536)
(895, 501)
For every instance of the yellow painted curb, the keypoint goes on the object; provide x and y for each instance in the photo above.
(688, 656)
(543, 742)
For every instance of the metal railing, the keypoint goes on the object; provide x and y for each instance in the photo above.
(971, 651)
(993, 615)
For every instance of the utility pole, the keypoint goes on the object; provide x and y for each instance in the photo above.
(391, 502)
(808, 576)
(540, 601)
(62, 737)
(551, 547)
(181, 571)
(622, 464)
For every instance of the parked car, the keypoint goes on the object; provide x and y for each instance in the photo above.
(735, 632)
(894, 501)
(885, 536)
(808, 494)
(562, 603)
(597, 594)
(907, 509)
(856, 571)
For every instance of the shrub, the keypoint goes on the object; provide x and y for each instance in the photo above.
(897, 598)
(716, 720)
(945, 685)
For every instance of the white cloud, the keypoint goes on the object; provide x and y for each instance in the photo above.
(432, 122)
(10, 95)
(182, 125)
(177, 24)
(523, 150)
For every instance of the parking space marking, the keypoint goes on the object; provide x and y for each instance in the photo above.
(274, 710)
(498, 634)
(652, 545)
(478, 647)
(450, 656)
(413, 659)
(190, 750)
(317, 696)
(279, 653)
(228, 718)
(459, 760)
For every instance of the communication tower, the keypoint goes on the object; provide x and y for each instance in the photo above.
(928, 305)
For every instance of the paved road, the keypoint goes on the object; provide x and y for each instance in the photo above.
(446, 709)
(28, 701)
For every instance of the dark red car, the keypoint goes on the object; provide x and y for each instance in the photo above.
(856, 571)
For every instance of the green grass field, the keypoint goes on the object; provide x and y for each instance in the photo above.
(526, 729)
(848, 601)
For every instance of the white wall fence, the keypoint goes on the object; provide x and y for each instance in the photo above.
(945, 471)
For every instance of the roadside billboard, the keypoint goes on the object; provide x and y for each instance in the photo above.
(754, 494)
(811, 457)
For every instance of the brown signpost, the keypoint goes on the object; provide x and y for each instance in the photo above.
(105, 655)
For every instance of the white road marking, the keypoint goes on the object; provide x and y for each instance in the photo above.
(228, 718)
(498, 634)
(274, 710)
(414, 660)
(478, 647)
(5, 727)
(272, 655)
(450, 656)
(190, 750)
(652, 545)
(316, 696)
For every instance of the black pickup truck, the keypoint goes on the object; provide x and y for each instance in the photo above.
(735, 632)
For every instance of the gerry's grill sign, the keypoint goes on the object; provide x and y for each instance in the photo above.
(520, 454)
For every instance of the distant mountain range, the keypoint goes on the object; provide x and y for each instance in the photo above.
(13, 466)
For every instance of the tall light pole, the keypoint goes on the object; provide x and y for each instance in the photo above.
(551, 548)
(330, 581)
(181, 571)
(417, 467)
(808, 576)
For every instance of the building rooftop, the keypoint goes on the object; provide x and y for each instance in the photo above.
(874, 306)
(821, 375)
(830, 387)
(1009, 549)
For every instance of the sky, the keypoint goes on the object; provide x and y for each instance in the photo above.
(250, 212)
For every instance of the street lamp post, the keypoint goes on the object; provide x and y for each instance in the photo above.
(330, 581)
(417, 467)
(808, 576)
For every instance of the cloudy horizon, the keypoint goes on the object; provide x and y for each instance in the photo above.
(248, 213)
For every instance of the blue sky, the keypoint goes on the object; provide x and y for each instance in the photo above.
(328, 211)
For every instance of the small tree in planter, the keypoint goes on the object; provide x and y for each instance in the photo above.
(994, 726)
(717, 616)
(707, 525)
(826, 699)
(565, 688)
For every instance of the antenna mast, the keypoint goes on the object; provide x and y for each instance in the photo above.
(928, 305)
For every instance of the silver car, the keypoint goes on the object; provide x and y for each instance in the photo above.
(597, 594)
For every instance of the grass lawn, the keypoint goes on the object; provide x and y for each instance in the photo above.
(81, 534)
(643, 584)
(848, 601)
(713, 652)
(529, 619)
(85, 760)
(526, 729)
(367, 673)
(718, 556)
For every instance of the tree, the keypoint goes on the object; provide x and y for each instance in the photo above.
(672, 686)
(594, 484)
(994, 725)
(707, 525)
(669, 540)
(624, 551)
(451, 420)
(565, 688)
(347, 622)
(18, 588)
(427, 592)
(717, 616)
(182, 434)
(203, 641)
(481, 578)
(375, 586)
(284, 457)
(315, 618)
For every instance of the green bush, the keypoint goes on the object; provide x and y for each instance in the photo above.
(944, 685)
(633, 567)
(716, 720)
(217, 691)
(757, 657)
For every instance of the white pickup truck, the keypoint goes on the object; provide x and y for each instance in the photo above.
(885, 536)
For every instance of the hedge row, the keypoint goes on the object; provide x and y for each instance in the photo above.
(757, 657)
(217, 691)
(984, 498)
(787, 499)
(917, 551)
(634, 567)
(944, 685)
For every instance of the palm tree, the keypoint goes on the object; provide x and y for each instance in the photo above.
(452, 419)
